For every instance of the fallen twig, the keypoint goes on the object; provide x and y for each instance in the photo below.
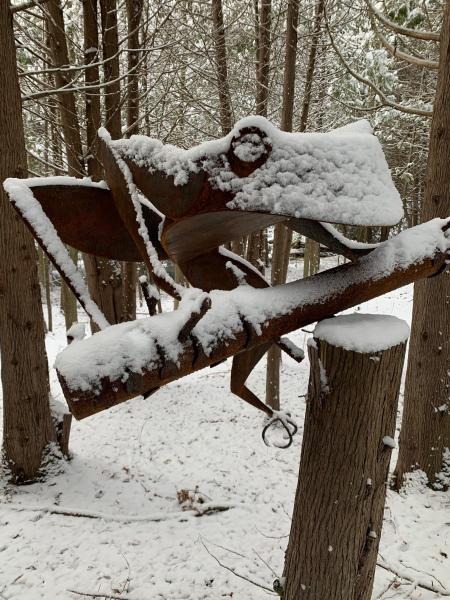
(234, 572)
(205, 509)
(100, 595)
(431, 587)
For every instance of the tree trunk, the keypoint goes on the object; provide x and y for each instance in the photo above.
(339, 503)
(69, 118)
(311, 258)
(226, 119)
(60, 57)
(129, 284)
(282, 235)
(103, 276)
(312, 248)
(425, 433)
(92, 77)
(255, 249)
(311, 64)
(48, 297)
(111, 271)
(134, 15)
(27, 422)
(111, 70)
(263, 44)
(68, 300)
(263, 23)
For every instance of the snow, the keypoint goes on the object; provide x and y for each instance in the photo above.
(21, 195)
(294, 350)
(353, 244)
(338, 177)
(239, 275)
(389, 441)
(129, 463)
(363, 333)
(128, 346)
(63, 180)
(236, 258)
(76, 332)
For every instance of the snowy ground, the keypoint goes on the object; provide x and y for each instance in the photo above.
(128, 465)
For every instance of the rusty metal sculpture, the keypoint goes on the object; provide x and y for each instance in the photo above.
(145, 215)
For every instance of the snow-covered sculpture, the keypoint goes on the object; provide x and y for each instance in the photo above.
(160, 202)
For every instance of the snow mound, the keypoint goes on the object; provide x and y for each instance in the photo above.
(363, 332)
(338, 177)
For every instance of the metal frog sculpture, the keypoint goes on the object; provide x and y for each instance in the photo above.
(160, 203)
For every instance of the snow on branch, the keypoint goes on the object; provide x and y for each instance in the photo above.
(15, 8)
(385, 101)
(409, 58)
(413, 33)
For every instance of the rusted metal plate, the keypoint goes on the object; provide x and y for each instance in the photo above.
(187, 238)
(86, 218)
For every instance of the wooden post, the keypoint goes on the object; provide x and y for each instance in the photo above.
(348, 438)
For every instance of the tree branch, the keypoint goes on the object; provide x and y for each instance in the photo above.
(384, 100)
(15, 8)
(409, 58)
(413, 33)
(234, 572)
(431, 587)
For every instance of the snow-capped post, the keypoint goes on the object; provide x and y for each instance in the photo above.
(356, 366)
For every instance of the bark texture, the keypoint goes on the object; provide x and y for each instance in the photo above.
(425, 433)
(311, 257)
(70, 125)
(134, 16)
(263, 47)
(339, 503)
(111, 69)
(312, 248)
(103, 276)
(27, 423)
(319, 11)
(282, 235)
(221, 66)
(263, 24)
(92, 77)
(69, 118)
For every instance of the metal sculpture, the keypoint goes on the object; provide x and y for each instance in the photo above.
(146, 214)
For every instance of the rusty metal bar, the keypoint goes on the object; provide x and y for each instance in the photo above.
(347, 286)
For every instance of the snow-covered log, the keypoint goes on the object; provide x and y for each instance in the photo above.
(138, 357)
